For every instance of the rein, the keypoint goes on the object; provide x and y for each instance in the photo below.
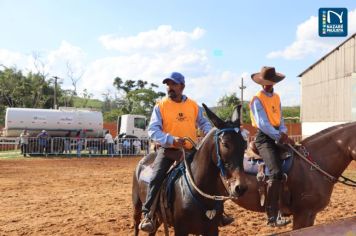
(316, 166)
(208, 196)
(220, 165)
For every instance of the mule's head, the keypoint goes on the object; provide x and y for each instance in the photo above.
(229, 151)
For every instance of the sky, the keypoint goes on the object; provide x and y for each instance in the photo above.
(214, 44)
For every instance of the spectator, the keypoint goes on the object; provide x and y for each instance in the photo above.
(67, 149)
(43, 141)
(109, 142)
(126, 146)
(137, 146)
(118, 145)
(24, 142)
(80, 141)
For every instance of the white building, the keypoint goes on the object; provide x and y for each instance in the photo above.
(328, 89)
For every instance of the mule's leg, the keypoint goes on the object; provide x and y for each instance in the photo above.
(137, 217)
(137, 205)
(303, 219)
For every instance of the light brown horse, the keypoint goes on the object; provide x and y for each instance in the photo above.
(332, 149)
(218, 159)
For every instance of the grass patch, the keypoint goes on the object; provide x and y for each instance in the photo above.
(10, 154)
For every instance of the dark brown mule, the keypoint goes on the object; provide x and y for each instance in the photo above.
(189, 208)
(332, 149)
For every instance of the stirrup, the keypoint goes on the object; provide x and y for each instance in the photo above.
(279, 221)
(147, 225)
(282, 221)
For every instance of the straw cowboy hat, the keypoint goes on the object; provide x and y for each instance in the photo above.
(267, 76)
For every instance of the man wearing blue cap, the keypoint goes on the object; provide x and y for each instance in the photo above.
(174, 117)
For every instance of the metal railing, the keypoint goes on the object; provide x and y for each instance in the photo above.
(82, 147)
(79, 147)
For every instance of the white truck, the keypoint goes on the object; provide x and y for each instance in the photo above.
(56, 122)
(59, 122)
(132, 126)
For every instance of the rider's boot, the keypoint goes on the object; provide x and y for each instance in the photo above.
(273, 192)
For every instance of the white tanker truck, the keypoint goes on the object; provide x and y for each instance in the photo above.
(59, 122)
(56, 122)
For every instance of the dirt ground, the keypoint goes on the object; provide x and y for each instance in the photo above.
(93, 197)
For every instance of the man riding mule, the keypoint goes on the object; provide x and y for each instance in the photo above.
(266, 116)
(173, 118)
(200, 184)
(316, 165)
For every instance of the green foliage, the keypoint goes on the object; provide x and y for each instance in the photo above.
(111, 116)
(143, 101)
(226, 106)
(291, 114)
(31, 91)
(138, 98)
(89, 103)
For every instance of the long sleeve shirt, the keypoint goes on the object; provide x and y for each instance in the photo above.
(165, 139)
(262, 120)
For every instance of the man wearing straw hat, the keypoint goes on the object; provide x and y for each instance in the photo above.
(266, 116)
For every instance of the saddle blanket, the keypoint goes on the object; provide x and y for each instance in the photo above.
(251, 166)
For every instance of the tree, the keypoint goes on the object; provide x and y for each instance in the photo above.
(74, 77)
(136, 97)
(32, 91)
(291, 114)
(87, 96)
(143, 101)
(226, 106)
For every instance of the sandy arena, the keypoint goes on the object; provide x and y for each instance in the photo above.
(93, 197)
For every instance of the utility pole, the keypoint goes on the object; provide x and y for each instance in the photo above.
(55, 92)
(242, 87)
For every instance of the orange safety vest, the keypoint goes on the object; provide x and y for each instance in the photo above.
(179, 118)
(272, 107)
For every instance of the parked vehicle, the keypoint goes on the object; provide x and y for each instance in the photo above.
(56, 122)
(132, 126)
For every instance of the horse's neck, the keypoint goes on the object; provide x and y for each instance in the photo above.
(204, 171)
(331, 150)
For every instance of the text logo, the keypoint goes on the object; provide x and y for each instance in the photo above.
(332, 22)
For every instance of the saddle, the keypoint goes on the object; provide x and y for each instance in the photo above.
(253, 153)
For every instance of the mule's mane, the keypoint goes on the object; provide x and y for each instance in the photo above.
(329, 131)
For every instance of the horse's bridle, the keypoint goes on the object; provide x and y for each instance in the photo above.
(220, 165)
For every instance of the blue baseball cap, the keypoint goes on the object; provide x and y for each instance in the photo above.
(176, 77)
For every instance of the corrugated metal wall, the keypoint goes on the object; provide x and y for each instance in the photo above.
(326, 88)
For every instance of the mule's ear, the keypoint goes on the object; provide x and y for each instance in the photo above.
(236, 114)
(217, 122)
